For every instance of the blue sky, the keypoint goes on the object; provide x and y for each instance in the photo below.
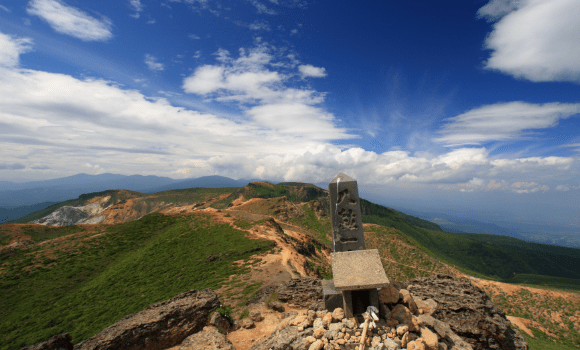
(450, 102)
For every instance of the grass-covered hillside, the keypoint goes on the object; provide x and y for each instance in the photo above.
(85, 281)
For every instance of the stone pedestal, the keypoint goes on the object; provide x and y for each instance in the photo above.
(358, 275)
(332, 297)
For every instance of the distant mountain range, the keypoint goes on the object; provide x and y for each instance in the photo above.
(20, 199)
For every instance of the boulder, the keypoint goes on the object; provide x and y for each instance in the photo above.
(159, 326)
(208, 339)
(246, 323)
(256, 316)
(401, 314)
(301, 291)
(220, 322)
(469, 312)
(408, 301)
(389, 294)
(289, 338)
(56, 342)
(276, 306)
(428, 306)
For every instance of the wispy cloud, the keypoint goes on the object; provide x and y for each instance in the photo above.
(259, 25)
(71, 21)
(503, 121)
(152, 64)
(11, 48)
(308, 70)
(194, 36)
(137, 7)
(539, 40)
(4, 8)
(261, 7)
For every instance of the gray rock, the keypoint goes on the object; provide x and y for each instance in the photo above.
(207, 340)
(220, 322)
(348, 323)
(301, 291)
(289, 314)
(256, 316)
(334, 329)
(390, 344)
(468, 310)
(159, 326)
(317, 323)
(246, 323)
(289, 338)
(276, 306)
(56, 342)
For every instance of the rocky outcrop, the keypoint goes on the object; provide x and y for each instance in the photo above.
(56, 342)
(289, 338)
(160, 326)
(467, 309)
(301, 291)
(208, 339)
(63, 216)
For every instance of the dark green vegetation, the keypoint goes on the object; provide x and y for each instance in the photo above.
(86, 284)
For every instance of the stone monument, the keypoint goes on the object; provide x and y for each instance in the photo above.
(358, 273)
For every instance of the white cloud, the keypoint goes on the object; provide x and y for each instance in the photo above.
(308, 70)
(248, 79)
(503, 121)
(562, 188)
(152, 63)
(259, 25)
(297, 119)
(496, 9)
(11, 48)
(538, 41)
(528, 187)
(4, 8)
(261, 7)
(71, 21)
(194, 36)
(137, 6)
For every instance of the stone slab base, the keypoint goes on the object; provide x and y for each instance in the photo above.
(332, 297)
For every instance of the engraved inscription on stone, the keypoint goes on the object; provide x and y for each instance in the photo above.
(348, 219)
(345, 214)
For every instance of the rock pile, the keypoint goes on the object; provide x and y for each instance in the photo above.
(322, 330)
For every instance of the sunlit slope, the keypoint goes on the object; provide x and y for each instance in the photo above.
(88, 280)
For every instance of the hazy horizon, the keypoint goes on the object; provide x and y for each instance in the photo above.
(451, 106)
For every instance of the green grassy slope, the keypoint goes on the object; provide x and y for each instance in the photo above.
(88, 284)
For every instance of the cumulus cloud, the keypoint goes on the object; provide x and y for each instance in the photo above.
(562, 188)
(152, 64)
(308, 70)
(137, 7)
(503, 121)
(259, 78)
(71, 21)
(11, 48)
(539, 40)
